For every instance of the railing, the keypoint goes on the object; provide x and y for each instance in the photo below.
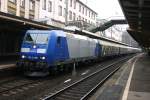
(81, 24)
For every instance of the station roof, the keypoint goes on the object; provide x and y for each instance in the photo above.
(8, 20)
(137, 13)
(11, 22)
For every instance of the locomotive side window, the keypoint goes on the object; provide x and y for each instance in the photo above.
(58, 41)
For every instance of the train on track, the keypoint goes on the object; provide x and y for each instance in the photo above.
(43, 51)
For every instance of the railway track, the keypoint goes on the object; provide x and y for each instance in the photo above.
(82, 89)
(16, 87)
(17, 83)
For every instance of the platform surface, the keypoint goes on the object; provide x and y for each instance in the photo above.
(131, 82)
(7, 65)
(140, 82)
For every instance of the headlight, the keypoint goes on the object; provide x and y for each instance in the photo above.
(34, 46)
(23, 56)
(43, 58)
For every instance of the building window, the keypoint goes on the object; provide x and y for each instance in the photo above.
(64, 12)
(83, 10)
(31, 5)
(50, 6)
(94, 16)
(70, 3)
(65, 1)
(89, 14)
(0, 4)
(60, 10)
(79, 8)
(70, 15)
(86, 12)
(44, 4)
(79, 17)
(74, 16)
(22, 3)
(86, 20)
(74, 4)
(14, 1)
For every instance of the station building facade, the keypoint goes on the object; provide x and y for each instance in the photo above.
(53, 12)
(24, 8)
(56, 12)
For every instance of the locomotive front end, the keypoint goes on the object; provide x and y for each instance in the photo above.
(33, 55)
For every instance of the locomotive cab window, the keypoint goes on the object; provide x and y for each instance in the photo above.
(36, 38)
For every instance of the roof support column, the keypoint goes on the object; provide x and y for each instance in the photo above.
(140, 14)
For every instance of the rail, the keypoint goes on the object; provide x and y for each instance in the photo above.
(83, 88)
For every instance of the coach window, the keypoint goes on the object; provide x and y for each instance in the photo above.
(58, 41)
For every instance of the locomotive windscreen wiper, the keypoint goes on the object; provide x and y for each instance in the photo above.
(30, 38)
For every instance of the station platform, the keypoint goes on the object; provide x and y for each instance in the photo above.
(7, 65)
(138, 85)
(131, 82)
(7, 69)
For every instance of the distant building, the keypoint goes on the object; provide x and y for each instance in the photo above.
(53, 12)
(126, 38)
(24, 8)
(56, 12)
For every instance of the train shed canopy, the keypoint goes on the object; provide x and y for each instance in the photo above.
(8, 21)
(137, 13)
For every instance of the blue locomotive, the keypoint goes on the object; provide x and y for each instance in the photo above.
(44, 50)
